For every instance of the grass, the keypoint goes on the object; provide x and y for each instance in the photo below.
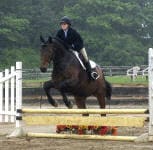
(126, 80)
(114, 80)
(34, 83)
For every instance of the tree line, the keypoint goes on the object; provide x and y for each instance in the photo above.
(115, 32)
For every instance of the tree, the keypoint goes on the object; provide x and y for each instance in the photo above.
(115, 32)
(106, 23)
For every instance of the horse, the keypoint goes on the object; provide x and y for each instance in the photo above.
(68, 76)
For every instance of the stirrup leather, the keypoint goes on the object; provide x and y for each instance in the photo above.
(95, 75)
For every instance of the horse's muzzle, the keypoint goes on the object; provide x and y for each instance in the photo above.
(42, 69)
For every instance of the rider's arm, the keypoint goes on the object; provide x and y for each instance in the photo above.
(78, 41)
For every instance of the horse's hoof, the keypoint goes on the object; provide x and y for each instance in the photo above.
(55, 104)
(70, 105)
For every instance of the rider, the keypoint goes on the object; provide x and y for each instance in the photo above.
(72, 38)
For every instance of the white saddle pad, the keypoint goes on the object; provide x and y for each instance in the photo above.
(92, 63)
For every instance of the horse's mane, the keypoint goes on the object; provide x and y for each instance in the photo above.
(58, 40)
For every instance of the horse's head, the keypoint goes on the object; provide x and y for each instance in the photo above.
(46, 53)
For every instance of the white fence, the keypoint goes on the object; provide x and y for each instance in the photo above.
(136, 70)
(35, 74)
(10, 93)
(145, 72)
(133, 72)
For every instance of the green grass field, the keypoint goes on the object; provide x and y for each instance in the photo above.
(114, 80)
(126, 80)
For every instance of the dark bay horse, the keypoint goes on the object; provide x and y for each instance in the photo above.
(68, 76)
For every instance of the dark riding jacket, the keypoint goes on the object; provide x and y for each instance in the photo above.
(73, 39)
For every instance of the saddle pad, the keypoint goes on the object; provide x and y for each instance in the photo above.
(92, 63)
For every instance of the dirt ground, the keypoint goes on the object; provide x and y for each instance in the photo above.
(69, 144)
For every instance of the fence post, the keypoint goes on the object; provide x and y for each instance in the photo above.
(6, 96)
(1, 98)
(18, 92)
(150, 73)
(12, 95)
(18, 132)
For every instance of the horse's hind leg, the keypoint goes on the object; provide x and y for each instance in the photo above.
(47, 86)
(101, 101)
(67, 102)
(80, 102)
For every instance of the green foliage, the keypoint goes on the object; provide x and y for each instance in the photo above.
(115, 32)
(28, 56)
(11, 28)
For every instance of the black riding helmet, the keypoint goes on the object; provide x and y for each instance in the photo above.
(66, 20)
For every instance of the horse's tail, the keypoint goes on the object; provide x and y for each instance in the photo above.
(108, 90)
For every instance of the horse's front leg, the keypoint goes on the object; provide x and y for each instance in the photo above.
(47, 86)
(67, 85)
(67, 102)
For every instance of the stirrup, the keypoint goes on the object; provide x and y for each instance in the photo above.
(95, 75)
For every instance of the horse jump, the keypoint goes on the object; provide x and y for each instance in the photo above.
(34, 117)
(86, 120)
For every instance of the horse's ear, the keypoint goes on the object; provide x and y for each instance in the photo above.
(42, 39)
(50, 39)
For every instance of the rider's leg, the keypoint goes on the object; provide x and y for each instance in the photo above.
(92, 75)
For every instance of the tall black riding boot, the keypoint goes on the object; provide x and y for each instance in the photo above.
(91, 74)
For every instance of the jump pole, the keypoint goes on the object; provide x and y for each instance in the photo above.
(86, 111)
(150, 74)
(82, 137)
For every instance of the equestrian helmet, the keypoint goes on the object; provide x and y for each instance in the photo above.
(66, 20)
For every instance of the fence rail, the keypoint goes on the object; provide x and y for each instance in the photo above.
(108, 71)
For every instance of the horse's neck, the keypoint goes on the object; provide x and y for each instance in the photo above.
(61, 58)
(59, 54)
